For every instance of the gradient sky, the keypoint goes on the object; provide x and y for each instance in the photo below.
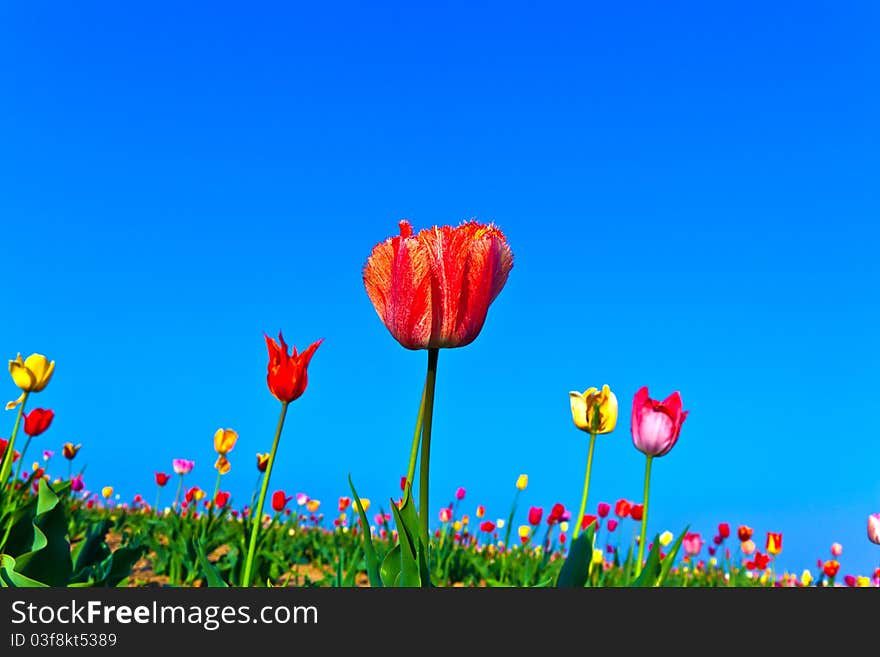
(690, 193)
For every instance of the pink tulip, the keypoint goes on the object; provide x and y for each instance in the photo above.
(183, 466)
(692, 544)
(445, 514)
(656, 425)
(460, 493)
(836, 549)
(874, 528)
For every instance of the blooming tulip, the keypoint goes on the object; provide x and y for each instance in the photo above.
(692, 544)
(107, 491)
(666, 538)
(182, 466)
(224, 441)
(744, 532)
(656, 425)
(603, 509)
(432, 290)
(262, 461)
(48, 454)
(836, 549)
(445, 514)
(622, 508)
(221, 499)
(611, 524)
(3, 444)
(460, 493)
(587, 520)
(524, 532)
(37, 421)
(222, 465)
(535, 514)
(830, 568)
(595, 412)
(748, 547)
(69, 450)
(637, 511)
(288, 373)
(774, 543)
(487, 526)
(344, 503)
(279, 500)
(314, 505)
(522, 482)
(77, 484)
(723, 530)
(481, 511)
(162, 478)
(30, 375)
(874, 528)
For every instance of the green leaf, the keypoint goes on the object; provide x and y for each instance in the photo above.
(92, 549)
(670, 558)
(10, 578)
(49, 558)
(369, 549)
(411, 521)
(409, 551)
(212, 576)
(576, 568)
(651, 572)
(390, 569)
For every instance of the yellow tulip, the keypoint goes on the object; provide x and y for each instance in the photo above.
(199, 494)
(806, 577)
(598, 557)
(563, 526)
(224, 441)
(107, 491)
(665, 538)
(365, 504)
(222, 465)
(524, 531)
(522, 481)
(861, 580)
(457, 525)
(314, 505)
(31, 375)
(594, 411)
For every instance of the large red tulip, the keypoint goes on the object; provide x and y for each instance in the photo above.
(287, 376)
(656, 425)
(433, 289)
(37, 421)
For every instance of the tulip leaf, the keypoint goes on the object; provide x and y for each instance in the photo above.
(212, 575)
(10, 578)
(411, 520)
(390, 569)
(670, 558)
(409, 551)
(49, 557)
(576, 568)
(651, 571)
(92, 549)
(369, 549)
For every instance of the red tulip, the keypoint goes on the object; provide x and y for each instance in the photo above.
(344, 503)
(37, 421)
(656, 425)
(433, 289)
(603, 509)
(15, 454)
(221, 499)
(612, 524)
(162, 478)
(487, 526)
(723, 530)
(587, 520)
(622, 508)
(287, 376)
(774, 543)
(280, 500)
(744, 532)
(535, 514)
(717, 540)
(636, 512)
(831, 567)
(556, 514)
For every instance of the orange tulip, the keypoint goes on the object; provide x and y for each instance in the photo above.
(287, 376)
(433, 289)
(224, 441)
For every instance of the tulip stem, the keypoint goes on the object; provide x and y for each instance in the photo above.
(177, 496)
(644, 515)
(580, 520)
(216, 490)
(27, 444)
(414, 452)
(258, 516)
(9, 453)
(158, 495)
(428, 413)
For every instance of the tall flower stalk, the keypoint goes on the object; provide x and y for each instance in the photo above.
(595, 412)
(432, 290)
(655, 429)
(287, 379)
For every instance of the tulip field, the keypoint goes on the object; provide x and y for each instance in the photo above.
(432, 290)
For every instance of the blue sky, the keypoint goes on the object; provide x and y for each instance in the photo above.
(689, 192)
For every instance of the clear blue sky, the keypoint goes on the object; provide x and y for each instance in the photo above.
(690, 193)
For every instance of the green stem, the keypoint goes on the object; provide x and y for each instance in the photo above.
(414, 452)
(580, 519)
(177, 496)
(644, 516)
(158, 495)
(27, 443)
(216, 490)
(6, 467)
(258, 516)
(430, 379)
